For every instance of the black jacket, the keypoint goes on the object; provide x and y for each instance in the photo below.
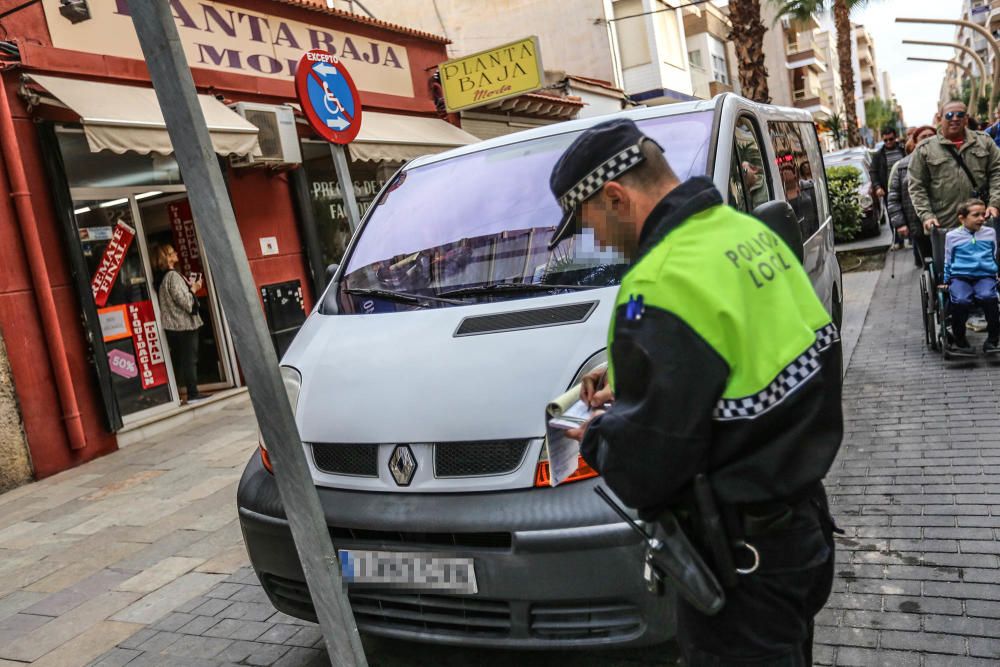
(880, 168)
(669, 420)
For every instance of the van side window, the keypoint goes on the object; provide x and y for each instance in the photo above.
(737, 195)
(752, 171)
(797, 173)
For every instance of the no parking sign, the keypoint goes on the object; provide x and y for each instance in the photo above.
(328, 97)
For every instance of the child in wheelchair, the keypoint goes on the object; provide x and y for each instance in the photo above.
(970, 272)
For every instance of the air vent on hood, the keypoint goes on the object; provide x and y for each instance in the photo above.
(526, 319)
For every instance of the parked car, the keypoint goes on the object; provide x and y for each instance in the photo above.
(872, 207)
(420, 380)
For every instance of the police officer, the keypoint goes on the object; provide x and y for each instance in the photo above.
(722, 362)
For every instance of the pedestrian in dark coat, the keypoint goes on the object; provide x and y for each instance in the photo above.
(902, 215)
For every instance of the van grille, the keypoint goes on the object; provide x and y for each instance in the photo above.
(347, 459)
(526, 319)
(440, 614)
(584, 621)
(496, 540)
(475, 459)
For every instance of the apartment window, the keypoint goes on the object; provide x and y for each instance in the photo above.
(719, 68)
(694, 57)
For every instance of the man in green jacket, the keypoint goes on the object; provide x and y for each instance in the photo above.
(938, 183)
(722, 362)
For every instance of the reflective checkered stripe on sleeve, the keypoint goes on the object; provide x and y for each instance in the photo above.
(793, 376)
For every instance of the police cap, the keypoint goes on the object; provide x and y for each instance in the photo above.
(600, 154)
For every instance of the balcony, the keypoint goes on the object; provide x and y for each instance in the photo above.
(810, 98)
(804, 53)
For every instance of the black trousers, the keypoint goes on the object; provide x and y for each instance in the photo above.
(768, 616)
(184, 354)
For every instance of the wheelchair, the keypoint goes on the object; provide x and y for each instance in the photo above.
(934, 301)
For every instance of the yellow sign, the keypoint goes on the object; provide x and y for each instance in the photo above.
(506, 71)
(231, 39)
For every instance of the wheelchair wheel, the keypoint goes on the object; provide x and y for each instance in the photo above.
(927, 311)
(941, 320)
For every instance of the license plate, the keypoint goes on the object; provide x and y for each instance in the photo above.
(414, 571)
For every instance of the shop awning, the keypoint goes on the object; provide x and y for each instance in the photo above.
(127, 118)
(395, 138)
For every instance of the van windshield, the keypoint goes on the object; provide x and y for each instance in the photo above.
(476, 227)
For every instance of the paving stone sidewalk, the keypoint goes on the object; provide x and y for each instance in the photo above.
(917, 488)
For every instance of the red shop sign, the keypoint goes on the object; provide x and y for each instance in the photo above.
(148, 349)
(185, 241)
(111, 263)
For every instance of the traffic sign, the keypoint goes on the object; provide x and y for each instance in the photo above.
(328, 96)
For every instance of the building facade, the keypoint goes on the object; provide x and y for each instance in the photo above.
(706, 30)
(79, 304)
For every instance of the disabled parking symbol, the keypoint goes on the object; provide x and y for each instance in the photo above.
(328, 96)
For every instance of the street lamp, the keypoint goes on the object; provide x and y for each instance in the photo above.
(968, 72)
(982, 31)
(972, 54)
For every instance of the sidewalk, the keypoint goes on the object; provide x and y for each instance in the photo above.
(916, 488)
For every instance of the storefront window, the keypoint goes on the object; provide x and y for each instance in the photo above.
(110, 170)
(327, 201)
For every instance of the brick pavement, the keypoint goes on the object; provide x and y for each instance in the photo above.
(917, 488)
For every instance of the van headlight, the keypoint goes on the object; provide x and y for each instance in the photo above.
(583, 471)
(292, 380)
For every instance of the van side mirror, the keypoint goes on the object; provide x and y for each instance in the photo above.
(331, 271)
(781, 219)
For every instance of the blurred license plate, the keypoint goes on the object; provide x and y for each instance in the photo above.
(415, 571)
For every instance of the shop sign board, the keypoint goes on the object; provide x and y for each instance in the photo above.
(488, 76)
(236, 40)
(148, 348)
(328, 97)
(185, 241)
(122, 364)
(111, 263)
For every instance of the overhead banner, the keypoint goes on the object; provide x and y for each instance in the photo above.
(489, 76)
(148, 348)
(185, 241)
(233, 39)
(111, 263)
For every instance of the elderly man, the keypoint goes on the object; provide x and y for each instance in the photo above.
(951, 167)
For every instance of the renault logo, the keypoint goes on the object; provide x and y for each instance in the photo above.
(402, 465)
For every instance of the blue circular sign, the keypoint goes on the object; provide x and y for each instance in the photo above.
(328, 96)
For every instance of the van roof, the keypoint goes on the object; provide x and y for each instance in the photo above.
(662, 111)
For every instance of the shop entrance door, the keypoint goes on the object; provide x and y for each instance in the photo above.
(119, 230)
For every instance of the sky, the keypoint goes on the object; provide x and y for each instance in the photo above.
(916, 85)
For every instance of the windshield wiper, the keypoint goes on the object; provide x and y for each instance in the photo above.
(500, 288)
(402, 297)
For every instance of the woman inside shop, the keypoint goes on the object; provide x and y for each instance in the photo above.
(180, 317)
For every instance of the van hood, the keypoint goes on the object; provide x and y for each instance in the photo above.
(406, 377)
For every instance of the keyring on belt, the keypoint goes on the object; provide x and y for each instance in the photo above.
(756, 559)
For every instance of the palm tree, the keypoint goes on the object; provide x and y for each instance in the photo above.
(835, 124)
(747, 33)
(842, 21)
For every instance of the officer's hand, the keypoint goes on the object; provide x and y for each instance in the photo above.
(594, 390)
(578, 433)
(931, 222)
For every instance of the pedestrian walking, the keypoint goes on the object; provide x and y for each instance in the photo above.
(994, 129)
(723, 365)
(882, 162)
(902, 215)
(956, 165)
(180, 318)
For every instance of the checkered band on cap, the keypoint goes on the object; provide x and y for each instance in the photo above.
(592, 182)
(790, 379)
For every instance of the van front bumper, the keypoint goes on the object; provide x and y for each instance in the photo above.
(555, 567)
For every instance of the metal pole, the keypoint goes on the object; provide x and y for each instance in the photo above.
(965, 49)
(989, 40)
(216, 223)
(346, 186)
(965, 68)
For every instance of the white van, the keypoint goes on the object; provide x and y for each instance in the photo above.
(420, 381)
